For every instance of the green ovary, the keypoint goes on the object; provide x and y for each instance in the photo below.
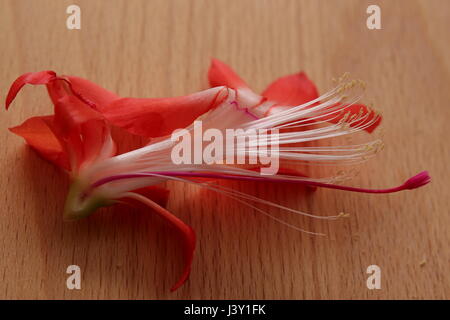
(78, 205)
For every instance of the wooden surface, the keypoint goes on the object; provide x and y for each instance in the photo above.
(162, 48)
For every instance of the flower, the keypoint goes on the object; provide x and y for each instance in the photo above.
(236, 106)
(76, 134)
(77, 138)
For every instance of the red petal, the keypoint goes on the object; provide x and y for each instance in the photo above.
(34, 78)
(161, 116)
(92, 91)
(291, 90)
(157, 194)
(38, 134)
(70, 113)
(87, 92)
(95, 133)
(82, 129)
(188, 235)
(220, 74)
(186, 232)
(83, 89)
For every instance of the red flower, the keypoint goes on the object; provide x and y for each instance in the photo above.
(76, 134)
(77, 138)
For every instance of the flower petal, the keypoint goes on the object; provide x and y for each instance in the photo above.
(38, 134)
(85, 90)
(92, 91)
(157, 194)
(70, 113)
(156, 117)
(185, 231)
(42, 77)
(82, 130)
(291, 90)
(188, 235)
(220, 74)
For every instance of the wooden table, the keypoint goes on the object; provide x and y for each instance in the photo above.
(163, 48)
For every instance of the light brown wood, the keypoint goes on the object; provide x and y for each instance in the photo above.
(162, 48)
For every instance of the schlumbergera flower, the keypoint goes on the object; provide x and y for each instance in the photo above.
(77, 138)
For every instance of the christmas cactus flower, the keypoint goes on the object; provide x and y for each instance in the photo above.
(290, 113)
(77, 138)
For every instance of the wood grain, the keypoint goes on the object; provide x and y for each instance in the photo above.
(162, 48)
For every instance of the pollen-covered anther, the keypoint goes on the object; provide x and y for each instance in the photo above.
(343, 77)
(379, 146)
(376, 112)
(360, 112)
(374, 147)
(341, 176)
(344, 119)
(359, 116)
(367, 147)
(343, 215)
(363, 84)
(351, 84)
(348, 85)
